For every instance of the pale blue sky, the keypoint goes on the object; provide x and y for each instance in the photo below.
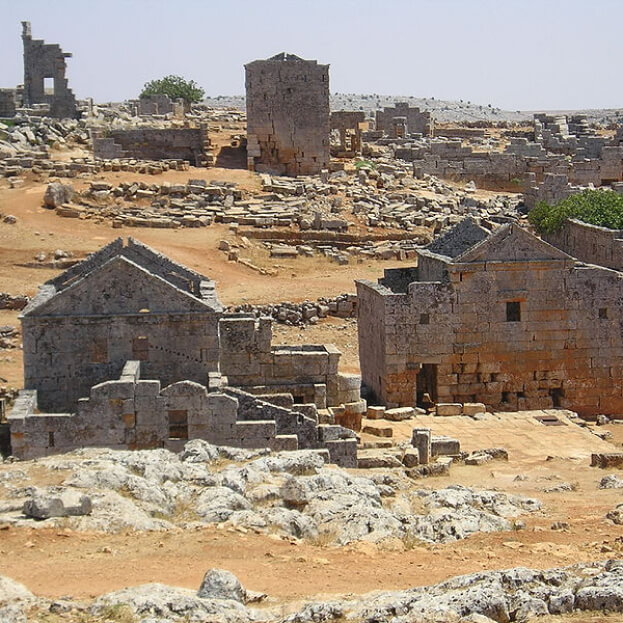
(530, 54)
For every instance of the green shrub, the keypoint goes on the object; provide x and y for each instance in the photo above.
(600, 207)
(175, 87)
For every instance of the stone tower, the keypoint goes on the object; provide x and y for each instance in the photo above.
(46, 60)
(287, 115)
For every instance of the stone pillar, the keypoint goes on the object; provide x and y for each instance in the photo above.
(421, 441)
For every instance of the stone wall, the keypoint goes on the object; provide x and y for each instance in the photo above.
(149, 105)
(190, 144)
(131, 413)
(287, 115)
(451, 159)
(532, 332)
(349, 125)
(79, 332)
(46, 60)
(309, 372)
(417, 121)
(8, 102)
(590, 243)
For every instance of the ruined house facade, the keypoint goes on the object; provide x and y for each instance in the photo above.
(411, 120)
(349, 124)
(287, 115)
(129, 349)
(46, 61)
(501, 318)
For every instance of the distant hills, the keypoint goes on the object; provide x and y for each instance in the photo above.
(444, 111)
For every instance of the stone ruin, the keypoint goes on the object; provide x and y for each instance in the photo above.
(160, 104)
(189, 144)
(349, 125)
(129, 349)
(287, 115)
(46, 61)
(402, 120)
(589, 243)
(500, 318)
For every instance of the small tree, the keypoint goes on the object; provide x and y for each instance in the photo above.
(175, 87)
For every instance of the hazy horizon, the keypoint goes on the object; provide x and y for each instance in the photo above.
(530, 55)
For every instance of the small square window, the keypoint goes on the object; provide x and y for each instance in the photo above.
(603, 313)
(513, 311)
(424, 319)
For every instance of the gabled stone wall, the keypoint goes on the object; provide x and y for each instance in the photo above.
(521, 333)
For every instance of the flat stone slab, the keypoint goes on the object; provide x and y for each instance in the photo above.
(378, 431)
(399, 414)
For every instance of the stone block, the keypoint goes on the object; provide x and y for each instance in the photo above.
(285, 442)
(375, 413)
(472, 408)
(448, 408)
(411, 457)
(444, 446)
(399, 414)
(607, 459)
(378, 431)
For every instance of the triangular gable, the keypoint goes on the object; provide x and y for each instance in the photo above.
(120, 286)
(511, 243)
(463, 236)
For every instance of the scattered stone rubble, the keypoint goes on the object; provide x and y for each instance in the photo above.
(9, 337)
(517, 594)
(13, 301)
(307, 312)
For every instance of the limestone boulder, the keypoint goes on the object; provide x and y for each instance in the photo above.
(46, 504)
(56, 194)
(221, 584)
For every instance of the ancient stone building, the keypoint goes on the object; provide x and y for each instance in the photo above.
(414, 120)
(128, 349)
(349, 125)
(46, 61)
(501, 318)
(190, 144)
(160, 104)
(287, 115)
(122, 303)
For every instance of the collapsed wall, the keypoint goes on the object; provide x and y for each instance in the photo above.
(190, 144)
(46, 61)
(417, 121)
(132, 413)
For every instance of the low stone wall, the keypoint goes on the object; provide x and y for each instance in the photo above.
(309, 372)
(130, 413)
(188, 144)
(589, 243)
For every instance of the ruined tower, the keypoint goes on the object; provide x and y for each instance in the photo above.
(46, 60)
(287, 115)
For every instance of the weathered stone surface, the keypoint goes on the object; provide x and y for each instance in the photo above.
(46, 504)
(221, 584)
(56, 194)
